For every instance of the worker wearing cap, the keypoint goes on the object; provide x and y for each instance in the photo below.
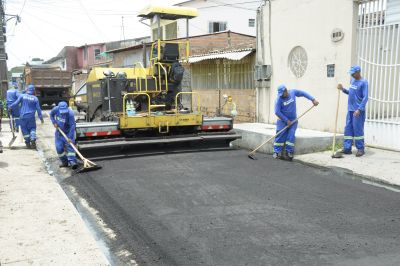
(357, 100)
(63, 118)
(11, 96)
(29, 106)
(285, 110)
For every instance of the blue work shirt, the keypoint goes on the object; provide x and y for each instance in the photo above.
(29, 105)
(65, 121)
(285, 108)
(12, 96)
(358, 95)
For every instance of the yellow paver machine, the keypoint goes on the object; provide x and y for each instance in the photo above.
(143, 110)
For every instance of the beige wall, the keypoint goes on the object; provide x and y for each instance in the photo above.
(309, 24)
(243, 98)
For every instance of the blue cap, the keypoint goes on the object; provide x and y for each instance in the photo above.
(354, 69)
(281, 90)
(30, 89)
(63, 107)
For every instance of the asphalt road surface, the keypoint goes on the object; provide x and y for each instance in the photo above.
(221, 208)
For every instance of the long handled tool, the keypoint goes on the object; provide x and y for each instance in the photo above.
(14, 137)
(251, 155)
(87, 164)
(336, 154)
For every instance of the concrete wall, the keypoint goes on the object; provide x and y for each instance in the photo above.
(309, 24)
(244, 99)
(130, 57)
(236, 15)
(90, 59)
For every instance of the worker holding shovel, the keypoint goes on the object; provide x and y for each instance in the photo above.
(285, 110)
(358, 97)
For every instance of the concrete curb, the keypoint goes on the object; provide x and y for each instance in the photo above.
(342, 170)
(307, 141)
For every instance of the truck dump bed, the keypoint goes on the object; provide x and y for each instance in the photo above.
(51, 83)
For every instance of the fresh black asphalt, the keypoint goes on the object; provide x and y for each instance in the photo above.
(221, 208)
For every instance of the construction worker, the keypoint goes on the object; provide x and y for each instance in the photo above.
(29, 106)
(12, 96)
(285, 110)
(63, 118)
(357, 100)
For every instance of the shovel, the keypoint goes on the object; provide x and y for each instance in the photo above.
(251, 155)
(14, 137)
(87, 164)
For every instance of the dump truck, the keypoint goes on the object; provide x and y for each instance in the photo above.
(140, 110)
(52, 84)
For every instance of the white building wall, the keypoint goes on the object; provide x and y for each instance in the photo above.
(236, 15)
(392, 12)
(309, 24)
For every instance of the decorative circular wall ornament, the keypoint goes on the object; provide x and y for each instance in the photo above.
(298, 61)
(337, 35)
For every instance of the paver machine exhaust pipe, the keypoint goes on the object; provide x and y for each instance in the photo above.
(252, 154)
(87, 164)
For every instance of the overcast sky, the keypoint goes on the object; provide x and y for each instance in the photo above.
(49, 25)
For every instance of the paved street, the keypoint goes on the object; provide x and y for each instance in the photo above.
(221, 208)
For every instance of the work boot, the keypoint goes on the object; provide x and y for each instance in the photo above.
(28, 145)
(63, 164)
(276, 155)
(74, 166)
(360, 153)
(345, 151)
(33, 144)
(289, 156)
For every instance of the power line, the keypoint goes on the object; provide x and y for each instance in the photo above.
(91, 20)
(233, 5)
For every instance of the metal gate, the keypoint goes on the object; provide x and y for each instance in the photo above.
(378, 46)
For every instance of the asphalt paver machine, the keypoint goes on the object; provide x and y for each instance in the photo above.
(140, 110)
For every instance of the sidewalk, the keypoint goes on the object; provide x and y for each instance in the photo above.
(376, 165)
(38, 223)
(307, 141)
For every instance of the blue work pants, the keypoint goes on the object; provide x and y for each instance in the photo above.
(28, 128)
(64, 150)
(286, 139)
(354, 131)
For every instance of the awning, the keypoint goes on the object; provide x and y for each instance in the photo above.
(231, 55)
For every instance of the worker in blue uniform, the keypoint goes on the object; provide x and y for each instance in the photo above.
(63, 118)
(29, 106)
(285, 110)
(357, 101)
(11, 96)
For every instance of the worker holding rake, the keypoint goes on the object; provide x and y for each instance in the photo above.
(285, 110)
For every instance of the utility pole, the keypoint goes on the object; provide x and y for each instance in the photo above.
(3, 55)
(123, 28)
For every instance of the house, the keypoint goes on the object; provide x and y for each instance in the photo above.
(311, 46)
(217, 16)
(66, 59)
(214, 17)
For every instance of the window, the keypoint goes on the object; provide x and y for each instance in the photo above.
(97, 53)
(252, 22)
(215, 26)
